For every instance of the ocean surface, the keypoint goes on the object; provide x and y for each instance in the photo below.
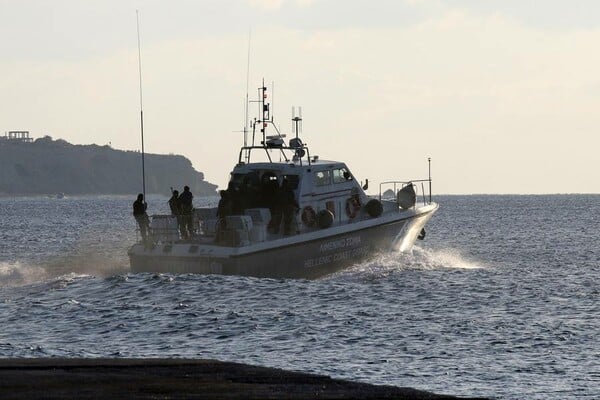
(501, 299)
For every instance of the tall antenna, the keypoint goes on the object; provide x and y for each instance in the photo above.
(247, 99)
(137, 18)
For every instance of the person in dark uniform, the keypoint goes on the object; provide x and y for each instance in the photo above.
(225, 207)
(248, 193)
(176, 209)
(187, 209)
(235, 196)
(139, 213)
(245, 197)
(271, 199)
(289, 207)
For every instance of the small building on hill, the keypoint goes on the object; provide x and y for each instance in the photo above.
(17, 136)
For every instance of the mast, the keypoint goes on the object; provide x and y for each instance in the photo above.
(137, 18)
(263, 110)
(263, 120)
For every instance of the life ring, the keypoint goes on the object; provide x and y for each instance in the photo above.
(374, 208)
(352, 207)
(325, 219)
(309, 216)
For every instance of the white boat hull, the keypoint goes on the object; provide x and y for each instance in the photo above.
(308, 255)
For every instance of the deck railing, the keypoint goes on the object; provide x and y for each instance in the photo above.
(245, 152)
(422, 189)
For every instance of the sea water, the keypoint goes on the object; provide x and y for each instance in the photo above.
(501, 299)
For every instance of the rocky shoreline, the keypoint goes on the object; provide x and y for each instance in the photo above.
(63, 378)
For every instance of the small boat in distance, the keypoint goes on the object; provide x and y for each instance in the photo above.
(296, 216)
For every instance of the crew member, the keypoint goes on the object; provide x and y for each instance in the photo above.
(187, 209)
(176, 209)
(225, 207)
(271, 196)
(139, 213)
(289, 206)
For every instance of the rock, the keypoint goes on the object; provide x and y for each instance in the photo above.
(54, 378)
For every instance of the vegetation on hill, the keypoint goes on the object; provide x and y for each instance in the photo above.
(48, 166)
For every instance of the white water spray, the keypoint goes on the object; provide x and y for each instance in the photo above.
(415, 259)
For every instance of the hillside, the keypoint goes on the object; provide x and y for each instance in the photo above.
(47, 166)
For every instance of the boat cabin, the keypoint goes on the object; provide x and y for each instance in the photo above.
(316, 186)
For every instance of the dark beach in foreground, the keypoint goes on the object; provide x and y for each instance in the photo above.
(58, 378)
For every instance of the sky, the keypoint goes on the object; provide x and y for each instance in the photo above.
(502, 95)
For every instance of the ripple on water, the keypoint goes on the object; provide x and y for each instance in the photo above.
(508, 309)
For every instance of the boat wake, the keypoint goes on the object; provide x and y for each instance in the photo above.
(418, 258)
(436, 259)
(89, 262)
(20, 273)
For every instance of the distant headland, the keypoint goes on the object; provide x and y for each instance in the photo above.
(47, 167)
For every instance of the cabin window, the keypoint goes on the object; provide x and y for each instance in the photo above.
(322, 178)
(341, 175)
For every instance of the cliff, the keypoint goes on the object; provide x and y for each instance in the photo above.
(47, 166)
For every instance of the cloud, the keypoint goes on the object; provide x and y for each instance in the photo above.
(486, 96)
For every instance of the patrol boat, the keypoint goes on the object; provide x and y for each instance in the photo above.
(335, 223)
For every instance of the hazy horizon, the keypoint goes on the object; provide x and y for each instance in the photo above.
(501, 95)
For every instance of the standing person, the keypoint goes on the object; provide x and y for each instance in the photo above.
(289, 207)
(175, 207)
(225, 207)
(187, 208)
(271, 196)
(139, 213)
(275, 206)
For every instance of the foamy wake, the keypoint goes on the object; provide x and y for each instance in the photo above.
(443, 258)
(17, 274)
(67, 267)
(417, 258)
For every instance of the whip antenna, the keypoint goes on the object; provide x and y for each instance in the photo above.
(247, 99)
(137, 18)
